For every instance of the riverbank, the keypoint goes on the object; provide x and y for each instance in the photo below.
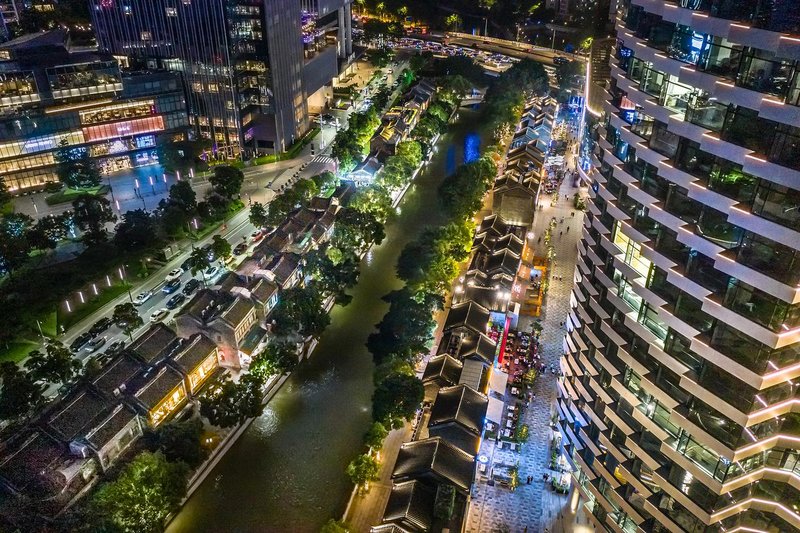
(286, 471)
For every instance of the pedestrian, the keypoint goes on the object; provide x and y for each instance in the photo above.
(572, 214)
(567, 229)
(560, 233)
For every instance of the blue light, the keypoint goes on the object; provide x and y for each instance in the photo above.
(472, 147)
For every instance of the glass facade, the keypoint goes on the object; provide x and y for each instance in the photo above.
(694, 332)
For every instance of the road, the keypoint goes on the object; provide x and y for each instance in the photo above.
(261, 184)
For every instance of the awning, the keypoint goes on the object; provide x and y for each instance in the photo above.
(498, 381)
(494, 412)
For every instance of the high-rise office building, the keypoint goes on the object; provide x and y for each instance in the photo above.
(680, 403)
(250, 66)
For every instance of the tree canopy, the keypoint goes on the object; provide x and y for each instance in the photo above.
(230, 404)
(300, 311)
(75, 167)
(54, 365)
(91, 213)
(397, 398)
(227, 181)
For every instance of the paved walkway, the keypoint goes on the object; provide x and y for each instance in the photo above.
(533, 507)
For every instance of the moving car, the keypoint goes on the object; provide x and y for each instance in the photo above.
(175, 301)
(142, 297)
(190, 286)
(100, 326)
(80, 341)
(171, 286)
(559, 60)
(95, 344)
(158, 315)
(174, 274)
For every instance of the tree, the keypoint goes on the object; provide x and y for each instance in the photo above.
(179, 441)
(146, 491)
(49, 230)
(334, 277)
(355, 231)
(325, 180)
(375, 436)
(405, 330)
(397, 398)
(19, 394)
(174, 221)
(258, 215)
(55, 365)
(227, 181)
(220, 247)
(335, 526)
(91, 214)
(14, 244)
(136, 230)
(300, 311)
(198, 261)
(182, 195)
(230, 404)
(75, 167)
(279, 357)
(453, 21)
(181, 156)
(362, 470)
(128, 315)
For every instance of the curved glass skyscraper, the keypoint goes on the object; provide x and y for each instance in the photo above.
(680, 404)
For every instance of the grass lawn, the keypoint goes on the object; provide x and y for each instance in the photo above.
(68, 195)
(16, 351)
(81, 311)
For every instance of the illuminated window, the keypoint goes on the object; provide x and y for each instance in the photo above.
(145, 35)
(171, 12)
(633, 252)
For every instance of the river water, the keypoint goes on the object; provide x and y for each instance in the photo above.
(286, 473)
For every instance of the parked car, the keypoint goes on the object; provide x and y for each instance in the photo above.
(175, 273)
(158, 315)
(240, 248)
(142, 297)
(100, 326)
(115, 347)
(190, 286)
(175, 301)
(80, 341)
(211, 272)
(95, 344)
(559, 60)
(171, 286)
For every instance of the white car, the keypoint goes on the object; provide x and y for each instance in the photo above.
(210, 272)
(174, 274)
(142, 297)
(159, 315)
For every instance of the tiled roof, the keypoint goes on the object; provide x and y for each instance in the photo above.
(284, 266)
(262, 290)
(112, 424)
(442, 367)
(114, 376)
(437, 457)
(237, 311)
(77, 414)
(411, 505)
(207, 305)
(28, 458)
(462, 405)
(193, 352)
(470, 315)
(153, 344)
(493, 223)
(156, 384)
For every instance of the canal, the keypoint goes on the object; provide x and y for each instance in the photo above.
(286, 472)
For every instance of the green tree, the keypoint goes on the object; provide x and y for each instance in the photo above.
(406, 329)
(325, 180)
(75, 167)
(375, 436)
(173, 220)
(180, 156)
(179, 441)
(136, 230)
(19, 394)
(48, 231)
(335, 526)
(230, 404)
(227, 181)
(220, 247)
(300, 311)
(55, 365)
(279, 357)
(14, 243)
(397, 398)
(127, 314)
(453, 21)
(182, 195)
(258, 215)
(198, 261)
(362, 470)
(355, 231)
(375, 200)
(91, 214)
(146, 491)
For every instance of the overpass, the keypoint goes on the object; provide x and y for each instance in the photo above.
(509, 48)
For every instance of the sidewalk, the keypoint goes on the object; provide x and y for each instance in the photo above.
(536, 506)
